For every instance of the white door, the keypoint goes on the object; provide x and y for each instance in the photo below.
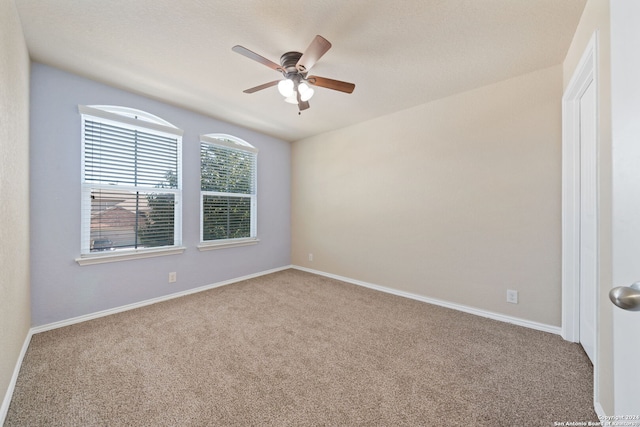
(625, 126)
(588, 257)
(580, 219)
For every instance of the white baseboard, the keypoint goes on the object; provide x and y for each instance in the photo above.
(4, 409)
(91, 316)
(471, 310)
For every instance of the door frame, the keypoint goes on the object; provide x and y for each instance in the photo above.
(584, 75)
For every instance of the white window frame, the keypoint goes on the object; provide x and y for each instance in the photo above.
(230, 141)
(146, 122)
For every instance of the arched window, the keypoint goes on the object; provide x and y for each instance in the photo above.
(131, 183)
(227, 191)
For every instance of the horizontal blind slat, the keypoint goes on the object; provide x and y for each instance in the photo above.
(226, 217)
(119, 155)
(227, 170)
(125, 219)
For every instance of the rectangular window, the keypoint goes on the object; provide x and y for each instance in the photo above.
(131, 186)
(228, 192)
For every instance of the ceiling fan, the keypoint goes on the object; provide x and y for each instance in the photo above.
(294, 67)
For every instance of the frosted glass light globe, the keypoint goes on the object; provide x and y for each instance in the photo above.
(285, 87)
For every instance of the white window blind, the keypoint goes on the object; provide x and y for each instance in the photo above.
(228, 189)
(131, 183)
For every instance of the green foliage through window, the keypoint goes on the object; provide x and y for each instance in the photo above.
(226, 217)
(158, 227)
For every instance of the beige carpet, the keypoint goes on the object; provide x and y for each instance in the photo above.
(296, 349)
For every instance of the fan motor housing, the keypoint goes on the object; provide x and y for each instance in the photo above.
(289, 60)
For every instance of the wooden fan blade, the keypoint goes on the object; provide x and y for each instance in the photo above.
(318, 47)
(331, 84)
(263, 86)
(252, 55)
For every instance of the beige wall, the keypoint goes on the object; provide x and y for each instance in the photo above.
(15, 317)
(596, 17)
(457, 199)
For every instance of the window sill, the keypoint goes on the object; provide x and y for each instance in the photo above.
(209, 246)
(125, 256)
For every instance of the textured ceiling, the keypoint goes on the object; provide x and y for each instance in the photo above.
(398, 53)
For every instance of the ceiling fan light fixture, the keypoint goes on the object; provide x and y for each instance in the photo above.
(307, 94)
(292, 99)
(285, 87)
(294, 67)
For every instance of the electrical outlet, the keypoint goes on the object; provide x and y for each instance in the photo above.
(512, 296)
(310, 257)
(173, 276)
